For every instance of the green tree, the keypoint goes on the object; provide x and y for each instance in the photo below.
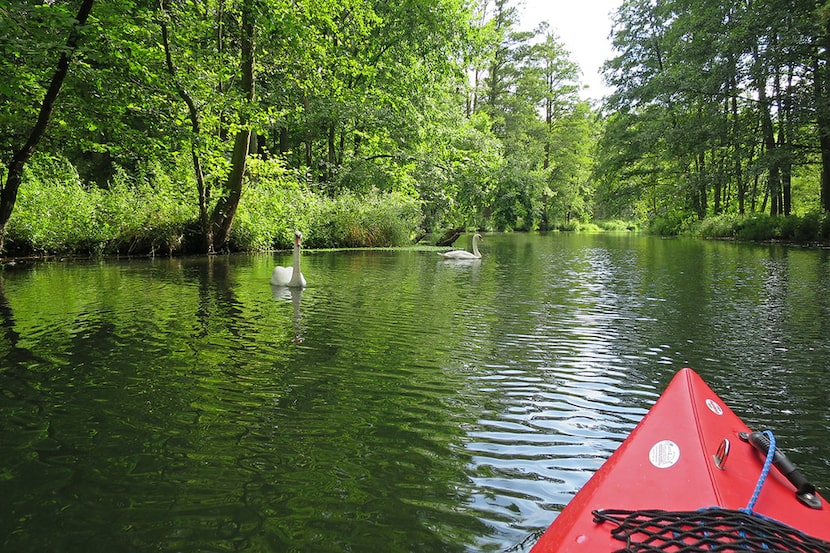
(725, 93)
(45, 22)
(233, 111)
(221, 220)
(530, 91)
(354, 98)
(502, 66)
(549, 86)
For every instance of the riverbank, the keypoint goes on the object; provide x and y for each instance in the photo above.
(148, 215)
(808, 229)
(373, 224)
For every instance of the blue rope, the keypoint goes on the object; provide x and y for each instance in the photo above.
(764, 472)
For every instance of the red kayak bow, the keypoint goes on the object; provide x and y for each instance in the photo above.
(692, 476)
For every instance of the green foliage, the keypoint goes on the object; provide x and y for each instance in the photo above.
(54, 212)
(148, 213)
(617, 225)
(805, 228)
(149, 210)
(375, 219)
(459, 163)
(667, 224)
(512, 202)
(368, 106)
(575, 225)
(811, 227)
(276, 203)
(721, 226)
(58, 214)
(758, 228)
(387, 174)
(32, 37)
(720, 118)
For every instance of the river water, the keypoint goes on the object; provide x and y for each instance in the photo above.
(400, 403)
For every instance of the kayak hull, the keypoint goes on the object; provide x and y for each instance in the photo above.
(670, 462)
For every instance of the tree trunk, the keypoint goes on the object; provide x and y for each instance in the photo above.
(549, 131)
(773, 175)
(283, 141)
(788, 135)
(823, 120)
(357, 142)
(450, 236)
(308, 137)
(824, 142)
(739, 178)
(822, 92)
(8, 196)
(221, 220)
(195, 121)
(332, 156)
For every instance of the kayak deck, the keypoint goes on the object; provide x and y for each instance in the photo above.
(686, 454)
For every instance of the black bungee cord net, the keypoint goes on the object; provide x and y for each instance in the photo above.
(710, 528)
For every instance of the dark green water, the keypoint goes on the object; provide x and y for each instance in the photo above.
(400, 403)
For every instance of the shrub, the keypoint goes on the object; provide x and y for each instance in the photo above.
(56, 213)
(759, 227)
(153, 210)
(808, 227)
(616, 225)
(276, 202)
(575, 225)
(568, 226)
(666, 224)
(719, 226)
(150, 209)
(372, 220)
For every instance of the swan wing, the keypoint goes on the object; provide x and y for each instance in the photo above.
(458, 254)
(282, 276)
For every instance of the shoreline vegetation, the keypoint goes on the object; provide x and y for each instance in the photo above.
(150, 215)
(180, 128)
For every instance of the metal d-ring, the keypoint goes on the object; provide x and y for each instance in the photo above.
(721, 454)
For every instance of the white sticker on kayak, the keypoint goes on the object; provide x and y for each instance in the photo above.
(714, 407)
(664, 454)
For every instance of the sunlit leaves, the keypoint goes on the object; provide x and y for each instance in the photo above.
(716, 94)
(353, 95)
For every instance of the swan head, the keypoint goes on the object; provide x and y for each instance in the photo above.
(476, 238)
(298, 237)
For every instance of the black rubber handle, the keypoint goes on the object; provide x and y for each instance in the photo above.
(805, 491)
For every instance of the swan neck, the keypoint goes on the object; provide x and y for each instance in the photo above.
(296, 257)
(475, 247)
(296, 275)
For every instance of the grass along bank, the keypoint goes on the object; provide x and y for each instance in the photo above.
(811, 228)
(152, 213)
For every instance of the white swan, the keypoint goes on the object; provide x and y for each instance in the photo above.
(290, 276)
(464, 254)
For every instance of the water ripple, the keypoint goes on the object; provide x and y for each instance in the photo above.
(398, 403)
